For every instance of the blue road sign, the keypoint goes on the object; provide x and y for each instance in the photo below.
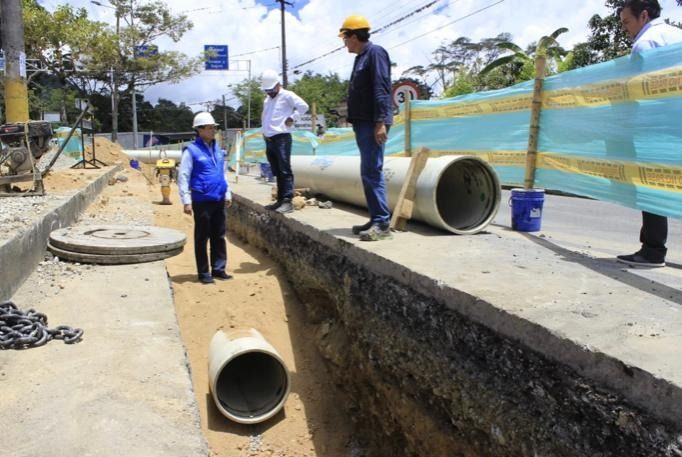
(216, 57)
(146, 50)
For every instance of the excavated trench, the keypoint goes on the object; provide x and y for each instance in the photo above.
(424, 380)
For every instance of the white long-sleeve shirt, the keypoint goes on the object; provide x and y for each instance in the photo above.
(656, 34)
(277, 109)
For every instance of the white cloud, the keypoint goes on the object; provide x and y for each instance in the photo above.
(246, 26)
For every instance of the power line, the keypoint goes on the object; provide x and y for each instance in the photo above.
(449, 23)
(416, 11)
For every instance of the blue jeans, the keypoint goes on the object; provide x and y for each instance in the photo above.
(278, 152)
(209, 224)
(372, 172)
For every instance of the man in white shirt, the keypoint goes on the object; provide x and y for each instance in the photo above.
(641, 21)
(281, 109)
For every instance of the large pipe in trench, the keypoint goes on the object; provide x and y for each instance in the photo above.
(460, 194)
(248, 379)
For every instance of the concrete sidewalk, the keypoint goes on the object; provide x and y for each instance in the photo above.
(559, 292)
(125, 389)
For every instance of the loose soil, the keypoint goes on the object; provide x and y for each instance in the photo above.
(312, 422)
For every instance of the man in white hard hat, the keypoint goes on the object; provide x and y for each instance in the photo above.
(641, 21)
(370, 110)
(281, 109)
(204, 193)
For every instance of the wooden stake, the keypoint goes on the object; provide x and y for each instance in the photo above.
(408, 127)
(404, 207)
(536, 108)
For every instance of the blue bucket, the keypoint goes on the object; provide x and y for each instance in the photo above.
(266, 172)
(134, 164)
(526, 207)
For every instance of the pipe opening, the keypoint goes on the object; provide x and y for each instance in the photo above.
(467, 195)
(252, 385)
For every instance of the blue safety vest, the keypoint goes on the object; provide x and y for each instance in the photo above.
(207, 181)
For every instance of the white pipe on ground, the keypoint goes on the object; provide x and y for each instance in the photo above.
(150, 156)
(460, 194)
(248, 379)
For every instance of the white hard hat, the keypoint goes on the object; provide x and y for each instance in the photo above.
(269, 80)
(203, 118)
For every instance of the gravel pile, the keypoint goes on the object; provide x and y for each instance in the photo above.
(19, 213)
(61, 163)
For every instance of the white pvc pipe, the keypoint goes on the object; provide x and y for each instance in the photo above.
(248, 379)
(460, 194)
(150, 156)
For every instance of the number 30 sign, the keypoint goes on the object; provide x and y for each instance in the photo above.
(404, 90)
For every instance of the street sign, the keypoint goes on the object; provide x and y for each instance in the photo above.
(305, 122)
(405, 90)
(146, 50)
(2, 60)
(216, 57)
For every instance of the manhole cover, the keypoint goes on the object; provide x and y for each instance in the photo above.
(117, 239)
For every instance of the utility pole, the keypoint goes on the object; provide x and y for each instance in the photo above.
(132, 18)
(282, 4)
(16, 92)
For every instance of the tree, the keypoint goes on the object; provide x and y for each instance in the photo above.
(607, 39)
(62, 41)
(249, 93)
(546, 48)
(326, 91)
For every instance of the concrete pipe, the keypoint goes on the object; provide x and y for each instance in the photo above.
(150, 156)
(460, 194)
(248, 379)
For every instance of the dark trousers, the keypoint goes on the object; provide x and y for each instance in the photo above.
(653, 235)
(278, 152)
(372, 172)
(209, 225)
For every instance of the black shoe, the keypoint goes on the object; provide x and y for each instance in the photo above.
(273, 206)
(206, 280)
(361, 228)
(221, 275)
(639, 260)
(285, 207)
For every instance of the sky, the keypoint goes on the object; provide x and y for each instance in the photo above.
(252, 30)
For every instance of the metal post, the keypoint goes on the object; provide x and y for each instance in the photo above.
(282, 3)
(16, 92)
(249, 102)
(224, 115)
(132, 16)
(114, 82)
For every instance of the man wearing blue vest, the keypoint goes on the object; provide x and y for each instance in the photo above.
(204, 193)
(642, 23)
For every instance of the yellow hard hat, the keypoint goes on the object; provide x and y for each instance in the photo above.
(354, 23)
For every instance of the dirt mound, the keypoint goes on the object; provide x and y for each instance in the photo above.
(106, 151)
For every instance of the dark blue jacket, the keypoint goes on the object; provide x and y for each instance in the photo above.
(369, 91)
(207, 181)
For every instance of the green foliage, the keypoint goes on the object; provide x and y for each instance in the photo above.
(326, 91)
(607, 39)
(547, 47)
(241, 91)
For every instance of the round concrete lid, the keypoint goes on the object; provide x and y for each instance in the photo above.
(117, 239)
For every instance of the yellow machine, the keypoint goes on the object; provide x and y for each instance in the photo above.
(165, 170)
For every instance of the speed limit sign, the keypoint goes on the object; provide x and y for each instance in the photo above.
(403, 91)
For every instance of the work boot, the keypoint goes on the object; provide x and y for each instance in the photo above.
(206, 279)
(221, 275)
(361, 228)
(285, 207)
(638, 260)
(273, 206)
(376, 233)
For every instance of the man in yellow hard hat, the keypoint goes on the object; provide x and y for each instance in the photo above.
(370, 110)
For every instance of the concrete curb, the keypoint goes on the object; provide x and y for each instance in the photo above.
(20, 255)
